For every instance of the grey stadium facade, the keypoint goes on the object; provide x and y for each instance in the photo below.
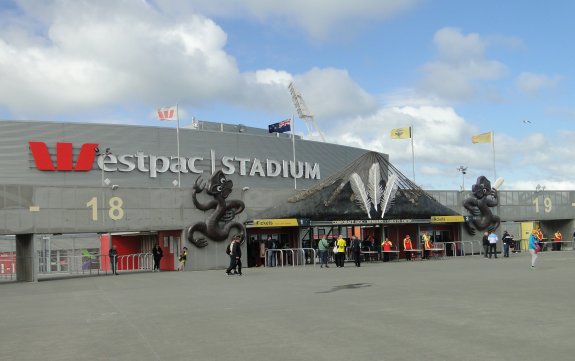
(72, 178)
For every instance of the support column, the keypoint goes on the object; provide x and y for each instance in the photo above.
(25, 258)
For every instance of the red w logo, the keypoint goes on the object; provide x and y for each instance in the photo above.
(169, 113)
(64, 157)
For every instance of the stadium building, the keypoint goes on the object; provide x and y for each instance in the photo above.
(135, 186)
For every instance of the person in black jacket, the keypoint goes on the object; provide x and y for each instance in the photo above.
(157, 253)
(507, 241)
(356, 250)
(113, 254)
(235, 257)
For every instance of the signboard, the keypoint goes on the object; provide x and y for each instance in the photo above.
(287, 222)
(373, 221)
(447, 219)
(452, 219)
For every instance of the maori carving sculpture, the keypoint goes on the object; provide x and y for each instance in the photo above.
(479, 205)
(218, 224)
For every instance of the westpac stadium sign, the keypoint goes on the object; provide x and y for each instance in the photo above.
(155, 165)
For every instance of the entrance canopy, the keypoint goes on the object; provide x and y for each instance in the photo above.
(370, 188)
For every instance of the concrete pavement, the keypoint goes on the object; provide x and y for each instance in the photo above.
(469, 308)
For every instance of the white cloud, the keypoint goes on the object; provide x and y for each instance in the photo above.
(316, 17)
(532, 83)
(442, 142)
(110, 53)
(437, 131)
(331, 93)
(460, 67)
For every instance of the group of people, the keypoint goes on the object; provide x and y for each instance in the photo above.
(408, 246)
(489, 241)
(356, 247)
(234, 251)
(535, 244)
(339, 247)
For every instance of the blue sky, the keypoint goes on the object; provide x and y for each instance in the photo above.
(450, 69)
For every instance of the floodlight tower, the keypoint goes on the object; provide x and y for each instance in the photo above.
(463, 170)
(303, 112)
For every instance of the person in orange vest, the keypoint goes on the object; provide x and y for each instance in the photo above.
(426, 245)
(558, 237)
(539, 235)
(386, 248)
(407, 246)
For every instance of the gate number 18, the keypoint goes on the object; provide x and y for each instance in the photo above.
(115, 212)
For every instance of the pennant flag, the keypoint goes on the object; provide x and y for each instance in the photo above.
(401, 133)
(283, 126)
(169, 113)
(481, 138)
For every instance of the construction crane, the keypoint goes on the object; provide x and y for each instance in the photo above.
(303, 113)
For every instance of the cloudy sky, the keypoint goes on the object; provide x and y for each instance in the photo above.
(450, 69)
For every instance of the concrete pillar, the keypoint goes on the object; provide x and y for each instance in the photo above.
(25, 258)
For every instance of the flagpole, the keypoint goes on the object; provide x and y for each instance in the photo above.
(293, 150)
(412, 152)
(493, 145)
(178, 145)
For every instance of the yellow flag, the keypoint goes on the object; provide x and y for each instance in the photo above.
(401, 133)
(481, 138)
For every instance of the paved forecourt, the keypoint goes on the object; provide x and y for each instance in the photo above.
(469, 308)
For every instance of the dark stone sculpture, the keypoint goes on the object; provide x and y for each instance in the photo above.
(483, 197)
(224, 211)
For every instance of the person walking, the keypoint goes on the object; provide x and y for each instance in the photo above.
(485, 241)
(507, 240)
(492, 238)
(235, 257)
(407, 246)
(157, 253)
(340, 255)
(356, 250)
(183, 258)
(533, 247)
(113, 254)
(322, 247)
(386, 245)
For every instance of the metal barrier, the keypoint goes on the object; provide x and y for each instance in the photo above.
(313, 252)
(437, 247)
(135, 262)
(292, 256)
(93, 264)
(550, 245)
(272, 252)
(463, 243)
(298, 256)
(480, 245)
(454, 248)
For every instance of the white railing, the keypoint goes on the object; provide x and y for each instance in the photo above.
(299, 256)
(135, 262)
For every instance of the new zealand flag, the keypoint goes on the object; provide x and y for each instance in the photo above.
(283, 126)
